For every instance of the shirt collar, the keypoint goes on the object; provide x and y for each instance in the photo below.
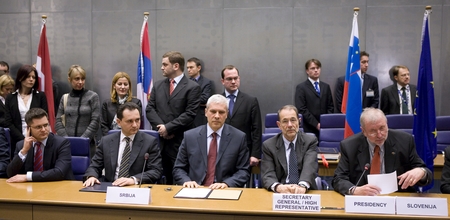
(209, 131)
(286, 142)
(122, 136)
(178, 78)
(235, 93)
(44, 142)
(399, 87)
(312, 81)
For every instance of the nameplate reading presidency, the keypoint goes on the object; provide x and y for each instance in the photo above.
(124, 195)
(422, 206)
(296, 202)
(370, 204)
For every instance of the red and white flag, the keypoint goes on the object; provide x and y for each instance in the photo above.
(45, 73)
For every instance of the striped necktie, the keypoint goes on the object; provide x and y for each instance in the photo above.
(125, 162)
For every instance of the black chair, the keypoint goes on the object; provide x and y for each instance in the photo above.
(443, 132)
(401, 122)
(80, 155)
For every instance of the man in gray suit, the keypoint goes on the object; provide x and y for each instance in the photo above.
(123, 154)
(398, 98)
(289, 162)
(214, 154)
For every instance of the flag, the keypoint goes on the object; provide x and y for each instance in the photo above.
(352, 98)
(45, 74)
(144, 71)
(424, 110)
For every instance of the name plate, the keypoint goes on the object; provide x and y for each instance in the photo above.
(370, 204)
(140, 196)
(296, 202)
(422, 206)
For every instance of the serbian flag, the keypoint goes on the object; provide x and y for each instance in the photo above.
(352, 98)
(45, 73)
(144, 71)
(424, 129)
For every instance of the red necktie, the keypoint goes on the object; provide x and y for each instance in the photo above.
(376, 161)
(38, 158)
(212, 155)
(172, 86)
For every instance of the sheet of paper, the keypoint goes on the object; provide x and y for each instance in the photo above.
(225, 194)
(387, 182)
(196, 193)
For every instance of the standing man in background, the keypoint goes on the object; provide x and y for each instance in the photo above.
(313, 98)
(172, 108)
(370, 93)
(399, 98)
(4, 68)
(244, 113)
(194, 68)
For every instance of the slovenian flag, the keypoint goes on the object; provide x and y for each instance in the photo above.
(45, 73)
(424, 129)
(144, 71)
(352, 98)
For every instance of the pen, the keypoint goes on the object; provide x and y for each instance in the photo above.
(332, 208)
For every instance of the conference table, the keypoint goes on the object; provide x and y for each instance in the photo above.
(62, 200)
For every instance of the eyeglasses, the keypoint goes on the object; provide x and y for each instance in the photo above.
(39, 127)
(232, 78)
(382, 131)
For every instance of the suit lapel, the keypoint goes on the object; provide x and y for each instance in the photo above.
(180, 86)
(48, 152)
(412, 94)
(114, 150)
(281, 153)
(166, 88)
(310, 86)
(224, 141)
(390, 151)
(238, 103)
(394, 93)
(363, 157)
(203, 144)
(136, 147)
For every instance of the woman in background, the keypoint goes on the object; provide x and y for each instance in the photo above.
(121, 92)
(81, 111)
(6, 87)
(20, 101)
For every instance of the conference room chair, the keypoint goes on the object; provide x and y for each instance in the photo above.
(270, 123)
(331, 130)
(8, 138)
(80, 155)
(401, 122)
(443, 132)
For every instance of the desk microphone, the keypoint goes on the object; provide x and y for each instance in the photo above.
(145, 163)
(366, 167)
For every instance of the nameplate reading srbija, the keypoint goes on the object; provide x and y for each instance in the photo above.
(370, 204)
(296, 202)
(422, 206)
(140, 196)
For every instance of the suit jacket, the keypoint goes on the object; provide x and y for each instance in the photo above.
(13, 120)
(246, 117)
(109, 110)
(206, 88)
(2, 115)
(445, 179)
(274, 167)
(311, 105)
(4, 153)
(176, 111)
(107, 153)
(390, 101)
(57, 161)
(399, 155)
(232, 163)
(370, 84)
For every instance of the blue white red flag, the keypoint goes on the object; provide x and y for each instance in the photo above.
(144, 71)
(352, 97)
(424, 129)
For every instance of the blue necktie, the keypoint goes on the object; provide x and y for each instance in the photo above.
(293, 166)
(316, 85)
(231, 104)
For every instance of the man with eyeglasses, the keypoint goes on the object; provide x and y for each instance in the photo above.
(398, 98)
(385, 150)
(41, 156)
(244, 113)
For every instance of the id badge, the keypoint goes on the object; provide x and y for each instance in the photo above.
(370, 93)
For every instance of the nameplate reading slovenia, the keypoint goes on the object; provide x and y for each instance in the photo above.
(370, 204)
(296, 202)
(422, 206)
(124, 195)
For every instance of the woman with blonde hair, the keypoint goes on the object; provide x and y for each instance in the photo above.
(80, 108)
(6, 87)
(121, 92)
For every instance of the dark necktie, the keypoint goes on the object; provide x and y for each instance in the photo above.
(212, 155)
(172, 86)
(38, 158)
(404, 102)
(316, 85)
(231, 104)
(293, 166)
(376, 161)
(125, 162)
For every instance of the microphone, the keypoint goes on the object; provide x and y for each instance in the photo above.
(143, 168)
(366, 167)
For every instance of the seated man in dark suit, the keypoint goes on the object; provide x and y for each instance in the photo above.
(386, 150)
(41, 156)
(4, 153)
(215, 154)
(289, 162)
(123, 154)
(445, 179)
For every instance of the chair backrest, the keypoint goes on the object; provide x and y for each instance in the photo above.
(271, 123)
(80, 155)
(336, 120)
(331, 137)
(8, 138)
(443, 132)
(443, 123)
(398, 121)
